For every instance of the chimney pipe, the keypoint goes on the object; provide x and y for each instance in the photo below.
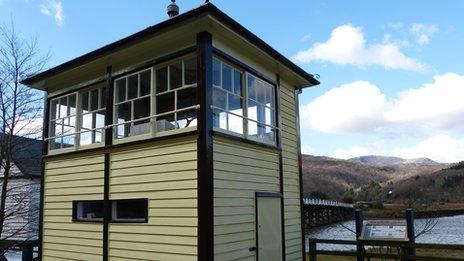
(173, 9)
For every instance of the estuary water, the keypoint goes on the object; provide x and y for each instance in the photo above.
(449, 230)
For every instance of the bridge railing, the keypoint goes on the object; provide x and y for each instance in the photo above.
(324, 202)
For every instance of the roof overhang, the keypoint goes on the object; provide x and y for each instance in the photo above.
(37, 80)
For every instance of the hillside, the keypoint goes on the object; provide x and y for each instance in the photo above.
(332, 178)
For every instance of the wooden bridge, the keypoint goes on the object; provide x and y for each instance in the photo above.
(319, 212)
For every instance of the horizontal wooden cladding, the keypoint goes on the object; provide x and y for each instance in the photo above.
(69, 179)
(166, 174)
(290, 167)
(239, 171)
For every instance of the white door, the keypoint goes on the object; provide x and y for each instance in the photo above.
(269, 226)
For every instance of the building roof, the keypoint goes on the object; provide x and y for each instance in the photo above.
(27, 155)
(205, 9)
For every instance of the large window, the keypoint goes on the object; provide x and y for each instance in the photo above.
(153, 100)
(92, 116)
(63, 122)
(176, 95)
(132, 104)
(246, 110)
(88, 210)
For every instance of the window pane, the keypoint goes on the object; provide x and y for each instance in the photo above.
(162, 80)
(68, 141)
(121, 90)
(100, 119)
(88, 210)
(260, 92)
(142, 110)
(238, 82)
(216, 72)
(187, 118)
(85, 138)
(54, 109)
(190, 73)
(235, 124)
(63, 103)
(219, 98)
(55, 143)
(175, 75)
(186, 98)
(85, 102)
(132, 86)
(58, 127)
(251, 87)
(103, 97)
(227, 77)
(123, 114)
(145, 83)
(72, 104)
(219, 119)
(132, 209)
(94, 100)
(235, 104)
(165, 123)
(86, 121)
(165, 103)
(269, 101)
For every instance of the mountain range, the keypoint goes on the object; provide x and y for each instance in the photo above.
(367, 177)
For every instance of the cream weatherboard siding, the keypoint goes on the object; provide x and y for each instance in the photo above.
(165, 173)
(239, 171)
(292, 217)
(77, 178)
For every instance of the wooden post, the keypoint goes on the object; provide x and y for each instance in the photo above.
(411, 251)
(312, 250)
(359, 224)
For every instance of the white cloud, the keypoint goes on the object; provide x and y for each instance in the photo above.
(353, 107)
(423, 32)
(306, 149)
(352, 152)
(395, 25)
(305, 38)
(347, 45)
(54, 8)
(361, 107)
(440, 148)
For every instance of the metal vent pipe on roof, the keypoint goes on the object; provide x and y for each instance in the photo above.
(173, 9)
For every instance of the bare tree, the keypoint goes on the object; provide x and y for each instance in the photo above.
(20, 110)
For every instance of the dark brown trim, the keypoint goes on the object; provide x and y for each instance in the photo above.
(125, 71)
(229, 58)
(205, 147)
(151, 31)
(281, 167)
(242, 139)
(46, 113)
(109, 107)
(300, 170)
(126, 144)
(106, 206)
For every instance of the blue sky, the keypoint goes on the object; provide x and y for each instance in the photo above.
(391, 71)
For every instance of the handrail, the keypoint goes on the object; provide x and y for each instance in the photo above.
(313, 251)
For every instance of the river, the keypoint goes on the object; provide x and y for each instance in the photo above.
(449, 230)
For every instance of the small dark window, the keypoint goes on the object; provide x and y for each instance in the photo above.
(88, 210)
(129, 210)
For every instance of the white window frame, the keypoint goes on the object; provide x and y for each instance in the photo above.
(81, 114)
(58, 117)
(245, 97)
